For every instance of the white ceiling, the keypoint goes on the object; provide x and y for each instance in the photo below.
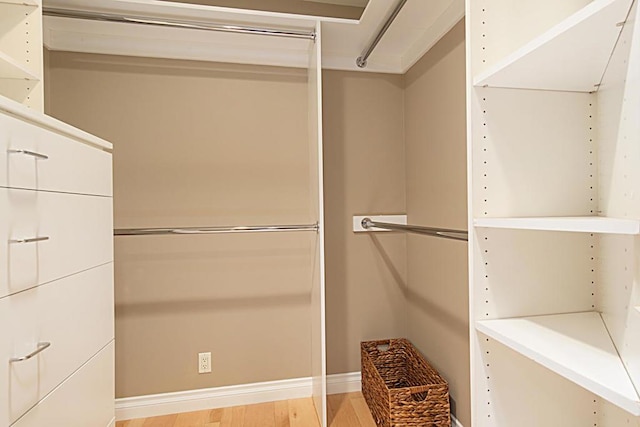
(417, 28)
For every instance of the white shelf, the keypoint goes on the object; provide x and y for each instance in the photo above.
(576, 346)
(571, 56)
(30, 3)
(12, 69)
(581, 224)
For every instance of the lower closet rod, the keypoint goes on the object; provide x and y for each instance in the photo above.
(445, 233)
(213, 230)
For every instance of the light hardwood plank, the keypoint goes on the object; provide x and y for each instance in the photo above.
(237, 416)
(344, 410)
(344, 414)
(281, 409)
(302, 413)
(260, 415)
(190, 419)
(362, 410)
(163, 421)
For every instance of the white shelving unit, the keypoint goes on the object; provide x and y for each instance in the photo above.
(554, 144)
(21, 61)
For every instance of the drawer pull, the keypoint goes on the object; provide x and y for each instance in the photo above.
(41, 347)
(30, 240)
(30, 153)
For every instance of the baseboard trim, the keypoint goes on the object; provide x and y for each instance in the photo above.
(222, 397)
(218, 397)
(344, 383)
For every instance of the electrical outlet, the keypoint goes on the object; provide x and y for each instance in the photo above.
(204, 363)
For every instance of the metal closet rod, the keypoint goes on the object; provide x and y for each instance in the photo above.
(361, 61)
(445, 233)
(214, 230)
(108, 17)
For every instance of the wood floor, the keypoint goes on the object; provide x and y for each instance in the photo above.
(344, 410)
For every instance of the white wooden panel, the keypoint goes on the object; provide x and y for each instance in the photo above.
(528, 273)
(619, 126)
(79, 229)
(533, 153)
(570, 56)
(22, 2)
(576, 346)
(318, 330)
(511, 390)
(13, 69)
(21, 27)
(86, 399)
(610, 415)
(74, 314)
(76, 35)
(619, 293)
(584, 224)
(20, 54)
(71, 166)
(499, 27)
(26, 93)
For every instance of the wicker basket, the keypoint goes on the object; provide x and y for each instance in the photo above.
(401, 388)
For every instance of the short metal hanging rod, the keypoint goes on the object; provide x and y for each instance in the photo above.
(361, 61)
(108, 17)
(213, 230)
(445, 233)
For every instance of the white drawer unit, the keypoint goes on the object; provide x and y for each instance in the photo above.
(68, 320)
(41, 159)
(84, 400)
(45, 236)
(56, 273)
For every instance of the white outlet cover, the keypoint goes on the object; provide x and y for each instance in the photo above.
(204, 363)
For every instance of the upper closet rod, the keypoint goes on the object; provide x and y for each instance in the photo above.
(445, 233)
(361, 61)
(107, 17)
(213, 230)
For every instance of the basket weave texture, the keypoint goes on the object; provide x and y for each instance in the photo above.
(401, 388)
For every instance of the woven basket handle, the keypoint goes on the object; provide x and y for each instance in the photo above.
(378, 347)
(425, 389)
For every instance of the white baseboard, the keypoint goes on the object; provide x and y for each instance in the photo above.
(344, 383)
(211, 398)
(223, 397)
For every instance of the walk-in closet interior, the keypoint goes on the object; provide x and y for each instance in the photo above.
(212, 203)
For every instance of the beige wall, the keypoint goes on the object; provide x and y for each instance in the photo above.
(392, 144)
(437, 296)
(201, 144)
(364, 174)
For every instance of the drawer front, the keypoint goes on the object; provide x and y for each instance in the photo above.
(69, 166)
(86, 399)
(74, 315)
(78, 230)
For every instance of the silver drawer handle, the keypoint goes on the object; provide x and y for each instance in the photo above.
(41, 347)
(31, 240)
(30, 153)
